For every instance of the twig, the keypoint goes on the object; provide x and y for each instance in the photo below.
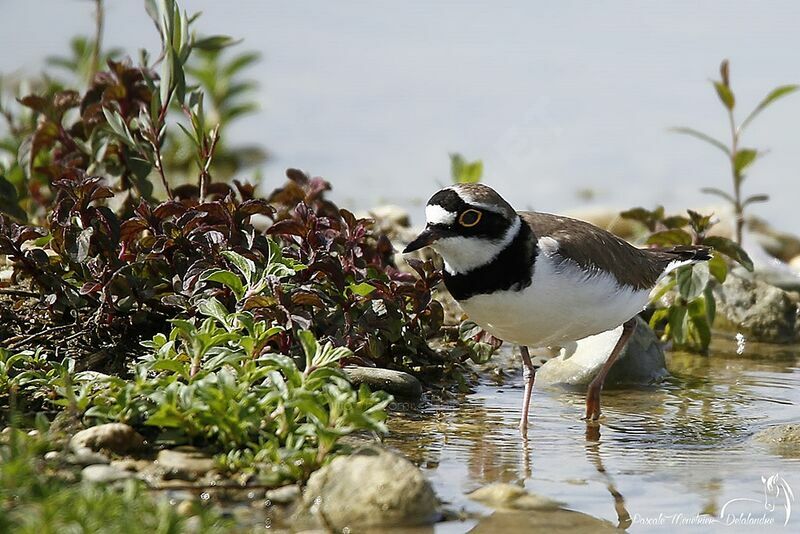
(18, 292)
(16, 341)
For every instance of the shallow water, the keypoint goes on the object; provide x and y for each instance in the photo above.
(662, 456)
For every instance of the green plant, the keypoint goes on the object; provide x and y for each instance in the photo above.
(214, 383)
(112, 259)
(740, 158)
(463, 171)
(36, 496)
(685, 307)
(229, 97)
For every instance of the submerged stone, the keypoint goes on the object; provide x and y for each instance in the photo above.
(550, 521)
(783, 440)
(397, 383)
(372, 487)
(510, 497)
(641, 361)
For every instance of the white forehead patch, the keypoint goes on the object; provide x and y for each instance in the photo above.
(435, 214)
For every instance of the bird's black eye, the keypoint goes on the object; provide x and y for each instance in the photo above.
(469, 218)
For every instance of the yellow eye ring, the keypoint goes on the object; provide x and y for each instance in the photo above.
(466, 218)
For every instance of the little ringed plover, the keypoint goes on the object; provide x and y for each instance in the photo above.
(542, 280)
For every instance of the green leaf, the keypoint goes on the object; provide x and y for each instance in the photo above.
(719, 193)
(330, 354)
(245, 265)
(670, 237)
(744, 158)
(165, 418)
(215, 42)
(663, 290)
(718, 267)
(692, 280)
(25, 156)
(9, 201)
(362, 289)
(658, 316)
(725, 246)
(674, 222)
(310, 346)
(174, 366)
(711, 305)
(118, 126)
(775, 94)
(644, 216)
(699, 326)
(677, 324)
(240, 62)
(213, 308)
(755, 198)
(725, 95)
(703, 137)
(226, 278)
(465, 172)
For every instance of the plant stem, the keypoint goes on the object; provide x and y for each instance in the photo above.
(205, 174)
(99, 19)
(737, 182)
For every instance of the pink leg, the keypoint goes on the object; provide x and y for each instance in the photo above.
(528, 374)
(593, 393)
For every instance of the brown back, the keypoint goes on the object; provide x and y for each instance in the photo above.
(593, 249)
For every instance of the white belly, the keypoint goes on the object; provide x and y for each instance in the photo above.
(561, 305)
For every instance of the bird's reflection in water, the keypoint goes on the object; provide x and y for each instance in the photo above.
(593, 455)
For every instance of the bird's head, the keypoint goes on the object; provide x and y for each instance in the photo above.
(468, 224)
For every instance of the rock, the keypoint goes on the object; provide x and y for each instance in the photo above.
(118, 438)
(372, 487)
(397, 383)
(504, 496)
(187, 508)
(52, 456)
(783, 440)
(104, 474)
(767, 267)
(184, 463)
(284, 494)
(641, 361)
(557, 521)
(756, 309)
(390, 216)
(86, 456)
(781, 245)
(130, 464)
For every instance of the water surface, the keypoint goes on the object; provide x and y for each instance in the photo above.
(682, 448)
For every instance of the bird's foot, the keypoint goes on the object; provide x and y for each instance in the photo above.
(592, 403)
(523, 428)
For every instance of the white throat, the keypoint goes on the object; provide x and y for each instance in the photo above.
(464, 254)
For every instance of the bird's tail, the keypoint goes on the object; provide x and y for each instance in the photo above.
(681, 255)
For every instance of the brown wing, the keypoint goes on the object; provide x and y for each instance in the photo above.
(596, 249)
